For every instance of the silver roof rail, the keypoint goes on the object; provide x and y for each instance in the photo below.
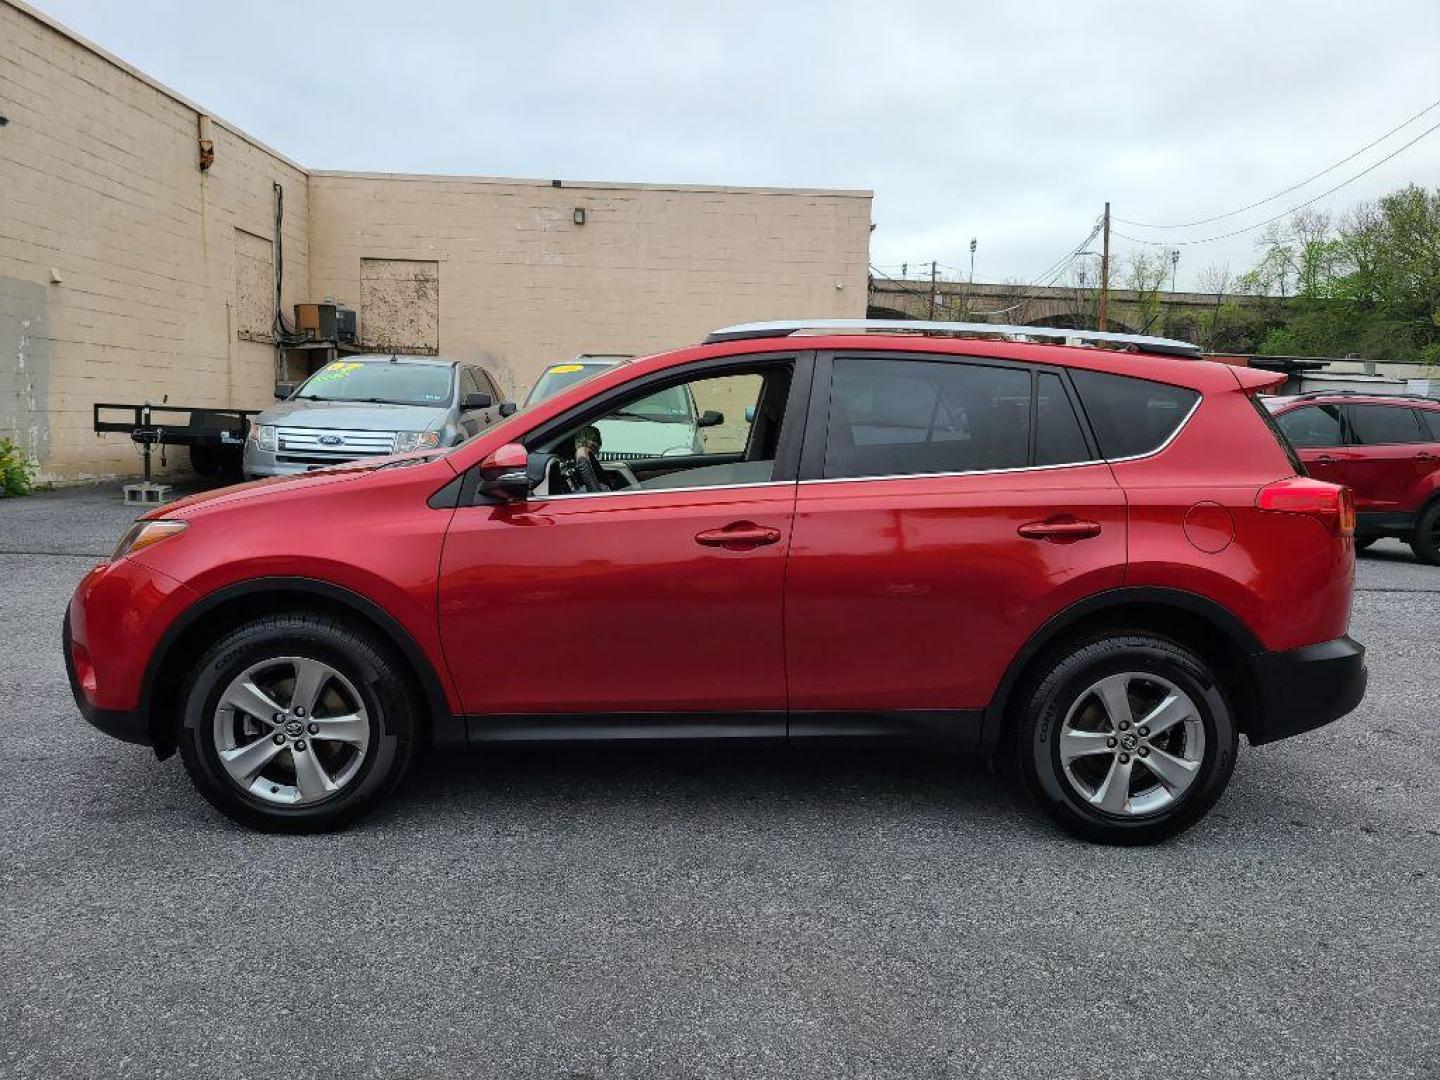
(787, 327)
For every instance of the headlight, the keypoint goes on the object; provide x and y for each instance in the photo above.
(263, 436)
(405, 441)
(145, 533)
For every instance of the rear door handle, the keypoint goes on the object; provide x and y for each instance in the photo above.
(1060, 531)
(1424, 456)
(738, 536)
(1325, 459)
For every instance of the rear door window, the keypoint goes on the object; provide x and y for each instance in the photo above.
(1431, 419)
(1312, 426)
(1059, 437)
(1132, 416)
(893, 417)
(1376, 425)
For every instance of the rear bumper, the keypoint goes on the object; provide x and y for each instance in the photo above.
(128, 725)
(1386, 523)
(1306, 688)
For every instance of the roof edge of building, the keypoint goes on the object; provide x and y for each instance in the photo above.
(155, 84)
(60, 28)
(587, 185)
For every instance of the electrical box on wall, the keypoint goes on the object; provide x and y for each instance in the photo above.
(326, 322)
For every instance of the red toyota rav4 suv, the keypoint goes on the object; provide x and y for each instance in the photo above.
(1385, 449)
(1105, 564)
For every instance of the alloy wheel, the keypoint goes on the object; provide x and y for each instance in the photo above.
(1132, 744)
(291, 730)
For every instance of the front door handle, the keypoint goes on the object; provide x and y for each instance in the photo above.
(738, 536)
(1060, 530)
(1325, 459)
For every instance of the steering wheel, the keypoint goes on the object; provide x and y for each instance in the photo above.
(582, 475)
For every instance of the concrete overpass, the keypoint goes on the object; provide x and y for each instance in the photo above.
(1056, 305)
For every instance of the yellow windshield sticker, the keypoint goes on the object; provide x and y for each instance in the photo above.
(336, 369)
(565, 369)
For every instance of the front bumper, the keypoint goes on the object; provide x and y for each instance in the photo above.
(1306, 688)
(128, 725)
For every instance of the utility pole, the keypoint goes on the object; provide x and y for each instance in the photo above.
(1174, 266)
(1105, 272)
(933, 296)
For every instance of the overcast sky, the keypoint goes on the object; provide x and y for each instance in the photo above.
(1009, 122)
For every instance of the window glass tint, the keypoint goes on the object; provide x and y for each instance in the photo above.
(1311, 425)
(1059, 438)
(901, 417)
(1374, 424)
(1131, 416)
(1431, 419)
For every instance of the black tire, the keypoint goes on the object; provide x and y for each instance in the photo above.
(1065, 685)
(206, 460)
(1363, 542)
(358, 656)
(1425, 542)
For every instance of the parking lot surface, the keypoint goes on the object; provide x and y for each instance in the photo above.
(686, 912)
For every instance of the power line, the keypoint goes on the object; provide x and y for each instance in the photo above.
(1046, 277)
(1049, 276)
(1283, 213)
(1292, 187)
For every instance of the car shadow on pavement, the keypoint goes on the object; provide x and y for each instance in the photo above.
(701, 780)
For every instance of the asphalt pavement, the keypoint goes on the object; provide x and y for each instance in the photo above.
(692, 913)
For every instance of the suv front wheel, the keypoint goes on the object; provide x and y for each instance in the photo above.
(296, 723)
(1127, 740)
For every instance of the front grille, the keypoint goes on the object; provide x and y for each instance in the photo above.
(324, 446)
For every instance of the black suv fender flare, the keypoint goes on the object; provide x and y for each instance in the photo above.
(1217, 617)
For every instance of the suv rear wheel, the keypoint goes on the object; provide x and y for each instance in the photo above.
(296, 723)
(1127, 740)
(1426, 541)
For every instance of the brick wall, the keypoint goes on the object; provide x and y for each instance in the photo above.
(521, 285)
(126, 273)
(102, 191)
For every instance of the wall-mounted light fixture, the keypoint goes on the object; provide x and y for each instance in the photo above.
(578, 216)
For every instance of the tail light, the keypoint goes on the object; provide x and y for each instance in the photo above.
(1333, 506)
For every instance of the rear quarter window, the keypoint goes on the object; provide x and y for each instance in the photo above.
(1131, 416)
(1431, 419)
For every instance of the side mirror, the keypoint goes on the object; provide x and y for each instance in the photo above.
(503, 473)
(710, 418)
(476, 401)
(508, 408)
(283, 390)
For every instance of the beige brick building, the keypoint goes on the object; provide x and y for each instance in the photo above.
(127, 272)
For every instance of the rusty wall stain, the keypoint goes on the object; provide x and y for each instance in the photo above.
(254, 287)
(400, 305)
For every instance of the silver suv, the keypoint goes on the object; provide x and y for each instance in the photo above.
(369, 406)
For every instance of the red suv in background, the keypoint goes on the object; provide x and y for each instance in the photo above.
(1386, 449)
(1103, 564)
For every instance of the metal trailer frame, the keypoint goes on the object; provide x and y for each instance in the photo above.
(215, 436)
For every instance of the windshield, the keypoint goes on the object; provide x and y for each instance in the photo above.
(671, 406)
(561, 376)
(386, 382)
